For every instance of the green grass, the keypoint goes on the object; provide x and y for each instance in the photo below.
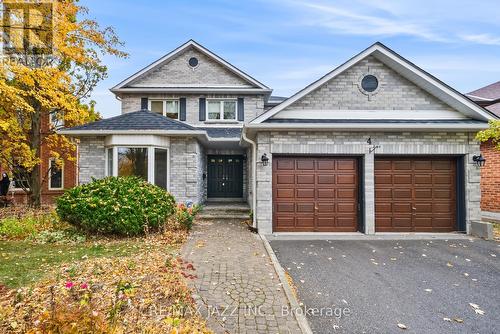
(22, 262)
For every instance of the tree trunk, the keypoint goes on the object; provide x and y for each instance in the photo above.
(35, 143)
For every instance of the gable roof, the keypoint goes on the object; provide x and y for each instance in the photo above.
(487, 93)
(402, 66)
(191, 43)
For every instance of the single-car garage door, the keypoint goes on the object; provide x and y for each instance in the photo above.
(415, 194)
(315, 194)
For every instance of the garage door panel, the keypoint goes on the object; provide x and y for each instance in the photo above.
(399, 193)
(349, 165)
(305, 164)
(326, 179)
(305, 207)
(285, 193)
(349, 194)
(346, 179)
(427, 203)
(305, 179)
(325, 193)
(285, 207)
(326, 164)
(402, 179)
(305, 192)
(285, 179)
(316, 193)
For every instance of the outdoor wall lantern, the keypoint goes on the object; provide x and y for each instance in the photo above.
(372, 147)
(479, 160)
(264, 160)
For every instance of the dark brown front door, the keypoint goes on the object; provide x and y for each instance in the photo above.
(415, 194)
(315, 194)
(225, 176)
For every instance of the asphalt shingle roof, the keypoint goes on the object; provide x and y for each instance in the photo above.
(137, 120)
(223, 132)
(491, 92)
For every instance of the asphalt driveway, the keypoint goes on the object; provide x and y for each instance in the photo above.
(372, 286)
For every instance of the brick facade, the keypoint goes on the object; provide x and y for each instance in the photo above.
(490, 178)
(48, 196)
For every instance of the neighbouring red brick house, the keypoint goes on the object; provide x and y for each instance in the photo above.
(489, 98)
(57, 182)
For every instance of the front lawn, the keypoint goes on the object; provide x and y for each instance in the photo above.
(25, 262)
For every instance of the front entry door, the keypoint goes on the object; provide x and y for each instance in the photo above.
(225, 176)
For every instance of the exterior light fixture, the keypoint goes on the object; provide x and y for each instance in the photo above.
(479, 160)
(264, 159)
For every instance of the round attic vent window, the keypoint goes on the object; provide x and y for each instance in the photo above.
(193, 62)
(369, 83)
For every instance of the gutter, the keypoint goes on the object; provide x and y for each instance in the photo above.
(370, 126)
(254, 176)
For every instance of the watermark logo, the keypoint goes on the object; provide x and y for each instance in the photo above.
(27, 27)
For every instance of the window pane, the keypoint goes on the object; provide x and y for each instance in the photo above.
(229, 109)
(173, 109)
(55, 175)
(161, 167)
(213, 109)
(110, 162)
(157, 107)
(133, 162)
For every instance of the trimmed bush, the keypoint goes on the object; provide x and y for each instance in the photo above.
(116, 205)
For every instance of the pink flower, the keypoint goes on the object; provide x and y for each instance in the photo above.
(84, 286)
(69, 285)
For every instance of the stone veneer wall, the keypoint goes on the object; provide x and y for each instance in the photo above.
(254, 105)
(354, 143)
(91, 160)
(186, 161)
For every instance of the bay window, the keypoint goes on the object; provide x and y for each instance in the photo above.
(221, 110)
(149, 163)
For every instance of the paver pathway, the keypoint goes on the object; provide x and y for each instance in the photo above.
(236, 281)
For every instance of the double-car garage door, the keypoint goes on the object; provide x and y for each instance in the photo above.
(321, 194)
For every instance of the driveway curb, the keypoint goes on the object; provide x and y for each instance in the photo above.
(294, 303)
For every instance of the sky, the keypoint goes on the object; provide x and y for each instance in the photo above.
(287, 44)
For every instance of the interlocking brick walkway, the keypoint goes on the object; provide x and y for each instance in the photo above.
(237, 284)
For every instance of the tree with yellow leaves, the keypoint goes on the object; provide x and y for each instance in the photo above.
(52, 60)
(492, 133)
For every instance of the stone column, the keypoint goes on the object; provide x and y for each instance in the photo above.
(369, 190)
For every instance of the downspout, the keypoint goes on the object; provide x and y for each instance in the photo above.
(254, 175)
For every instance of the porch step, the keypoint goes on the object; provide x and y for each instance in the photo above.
(225, 211)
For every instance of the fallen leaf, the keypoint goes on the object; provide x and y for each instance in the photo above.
(449, 264)
(428, 290)
(478, 311)
(458, 320)
(447, 319)
(402, 326)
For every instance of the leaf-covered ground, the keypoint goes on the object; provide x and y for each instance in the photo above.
(130, 286)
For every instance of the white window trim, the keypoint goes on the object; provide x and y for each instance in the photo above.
(151, 161)
(50, 176)
(164, 106)
(221, 110)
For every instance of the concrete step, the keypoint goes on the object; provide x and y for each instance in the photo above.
(220, 216)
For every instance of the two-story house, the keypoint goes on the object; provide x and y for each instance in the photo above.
(376, 145)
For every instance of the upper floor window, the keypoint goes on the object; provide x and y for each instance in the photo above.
(221, 110)
(56, 121)
(168, 108)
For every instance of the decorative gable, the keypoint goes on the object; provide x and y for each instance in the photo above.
(178, 72)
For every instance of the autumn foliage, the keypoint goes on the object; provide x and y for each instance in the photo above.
(37, 87)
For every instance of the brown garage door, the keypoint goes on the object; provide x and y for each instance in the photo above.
(315, 194)
(415, 195)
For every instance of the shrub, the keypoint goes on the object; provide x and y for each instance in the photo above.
(184, 216)
(27, 223)
(116, 205)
